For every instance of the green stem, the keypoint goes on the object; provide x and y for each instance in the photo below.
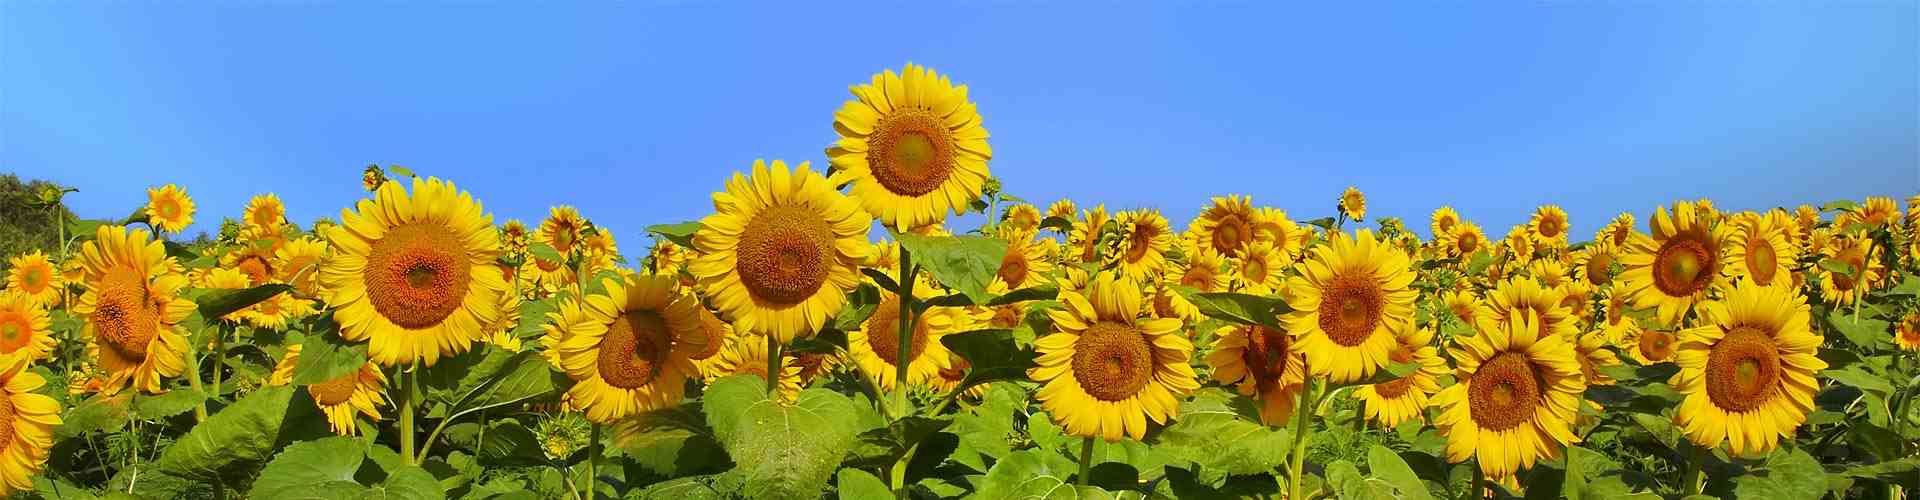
(773, 367)
(897, 475)
(1696, 479)
(905, 325)
(1478, 491)
(193, 380)
(219, 357)
(1860, 280)
(1297, 459)
(407, 379)
(1086, 460)
(593, 459)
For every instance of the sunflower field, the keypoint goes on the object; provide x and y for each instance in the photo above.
(827, 333)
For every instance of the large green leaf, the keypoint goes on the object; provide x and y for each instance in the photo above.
(325, 356)
(533, 318)
(856, 484)
(1042, 292)
(231, 444)
(964, 263)
(221, 302)
(1349, 484)
(681, 234)
(306, 469)
(790, 450)
(1211, 433)
(1787, 474)
(1238, 308)
(172, 403)
(985, 428)
(1038, 474)
(497, 378)
(98, 413)
(1385, 465)
(993, 355)
(1864, 332)
(881, 447)
(1857, 377)
(727, 400)
(56, 489)
(673, 442)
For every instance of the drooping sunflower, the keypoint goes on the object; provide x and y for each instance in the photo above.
(1466, 240)
(133, 308)
(707, 360)
(1226, 225)
(1351, 301)
(1271, 225)
(1085, 237)
(1260, 269)
(414, 274)
(1517, 397)
(1525, 297)
(628, 349)
(913, 147)
(1758, 248)
(1023, 218)
(1594, 263)
(1519, 244)
(1104, 371)
(500, 332)
(362, 392)
(1063, 208)
(747, 354)
(1907, 335)
(1748, 370)
(25, 327)
(265, 211)
(1676, 266)
(27, 419)
(33, 275)
(875, 346)
(1843, 289)
(1025, 264)
(169, 208)
(602, 252)
(1262, 363)
(1876, 211)
(1548, 227)
(298, 264)
(781, 250)
(1405, 398)
(561, 230)
(1353, 204)
(1144, 240)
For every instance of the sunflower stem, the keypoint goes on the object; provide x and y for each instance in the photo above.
(1696, 479)
(407, 379)
(905, 326)
(193, 380)
(1296, 459)
(773, 367)
(1477, 491)
(219, 357)
(1860, 281)
(1086, 461)
(593, 459)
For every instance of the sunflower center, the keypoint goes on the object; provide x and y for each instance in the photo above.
(1013, 268)
(1760, 261)
(634, 349)
(7, 412)
(1743, 370)
(1230, 235)
(1504, 392)
(257, 268)
(33, 279)
(15, 331)
(883, 333)
(715, 335)
(336, 391)
(168, 209)
(1598, 268)
(124, 321)
(1200, 277)
(958, 371)
(416, 274)
(1139, 242)
(1551, 227)
(1350, 309)
(1112, 361)
(1393, 388)
(1685, 265)
(784, 253)
(910, 153)
(1255, 269)
(1266, 355)
(1656, 346)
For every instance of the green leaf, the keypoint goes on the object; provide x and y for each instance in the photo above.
(993, 354)
(856, 484)
(1838, 205)
(680, 234)
(325, 356)
(1857, 377)
(673, 442)
(985, 428)
(1881, 442)
(1349, 484)
(1057, 223)
(232, 443)
(1322, 223)
(1787, 474)
(1029, 474)
(400, 172)
(1837, 266)
(1387, 466)
(543, 252)
(533, 317)
(56, 489)
(964, 263)
(180, 252)
(96, 414)
(1042, 292)
(1864, 332)
(789, 451)
(498, 378)
(313, 466)
(407, 483)
(1211, 433)
(1479, 263)
(219, 303)
(1908, 287)
(727, 400)
(882, 447)
(508, 443)
(1239, 308)
(860, 305)
(1662, 429)
(172, 403)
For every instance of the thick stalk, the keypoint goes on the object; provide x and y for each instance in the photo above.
(407, 379)
(773, 368)
(219, 357)
(593, 459)
(1086, 460)
(1860, 281)
(1478, 490)
(1696, 479)
(193, 380)
(1297, 458)
(905, 325)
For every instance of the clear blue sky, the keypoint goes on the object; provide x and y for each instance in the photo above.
(636, 111)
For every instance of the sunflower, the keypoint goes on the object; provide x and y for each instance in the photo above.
(747, 355)
(1748, 370)
(1085, 236)
(1618, 326)
(278, 310)
(1351, 300)
(1262, 363)
(1548, 227)
(1466, 240)
(628, 348)
(1271, 225)
(1617, 232)
(1104, 372)
(781, 251)
(1022, 218)
(1063, 208)
(1519, 244)
(1877, 211)
(133, 308)
(1577, 298)
(667, 257)
(1226, 226)
(1405, 398)
(1840, 288)
(500, 332)
(27, 419)
(362, 392)
(265, 211)
(875, 346)
(253, 257)
(1594, 263)
(414, 273)
(912, 145)
(1676, 266)
(1591, 351)
(1203, 270)
(1353, 204)
(1758, 247)
(547, 275)
(1907, 336)
(514, 236)
(1025, 263)
(298, 264)
(1650, 347)
(25, 327)
(1462, 304)
(169, 208)
(1524, 297)
(34, 276)
(562, 229)
(1549, 272)
(1443, 221)
(707, 359)
(1145, 238)
(1516, 400)
(602, 252)
(1168, 303)
(1260, 269)
(372, 178)
(956, 372)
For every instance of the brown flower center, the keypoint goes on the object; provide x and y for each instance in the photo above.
(1141, 240)
(15, 331)
(1504, 392)
(1552, 226)
(1393, 388)
(716, 335)
(336, 391)
(1230, 234)
(1598, 272)
(958, 371)
(1685, 265)
(883, 333)
(1656, 346)
(1761, 261)
(1743, 370)
(784, 254)
(1013, 268)
(910, 152)
(635, 349)
(1112, 361)
(1467, 244)
(125, 320)
(1350, 308)
(7, 413)
(417, 274)
(1199, 276)
(257, 267)
(1266, 355)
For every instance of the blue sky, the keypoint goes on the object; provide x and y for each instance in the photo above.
(635, 112)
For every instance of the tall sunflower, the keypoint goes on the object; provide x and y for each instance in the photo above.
(1759, 248)
(1271, 226)
(1594, 263)
(1676, 266)
(1525, 297)
(25, 327)
(1548, 227)
(1842, 288)
(1353, 204)
(414, 274)
(27, 419)
(34, 276)
(265, 211)
(1262, 363)
(1022, 217)
(1085, 237)
(562, 229)
(1260, 269)
(1517, 397)
(1351, 301)
(298, 264)
(1104, 371)
(1748, 370)
(1144, 240)
(1063, 208)
(1405, 398)
(1443, 221)
(1226, 225)
(628, 349)
(514, 237)
(133, 308)
(362, 392)
(1467, 239)
(169, 208)
(912, 145)
(781, 250)
(1519, 244)
(1876, 211)
(875, 346)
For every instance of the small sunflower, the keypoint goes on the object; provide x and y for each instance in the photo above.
(25, 327)
(1466, 240)
(1063, 208)
(1022, 218)
(1618, 231)
(781, 251)
(1351, 301)
(500, 333)
(1085, 237)
(27, 419)
(514, 236)
(1463, 305)
(265, 211)
(913, 147)
(1442, 222)
(1907, 335)
(1519, 244)
(1144, 240)
(1260, 269)
(34, 276)
(1650, 347)
(1405, 398)
(1516, 400)
(1524, 297)
(747, 354)
(253, 257)
(1876, 211)
(133, 308)
(1203, 270)
(1271, 226)
(1353, 204)
(628, 348)
(362, 392)
(372, 178)
(707, 359)
(169, 208)
(547, 275)
(1806, 216)
(1841, 288)
(875, 346)
(414, 273)
(602, 252)
(1594, 263)
(1226, 225)
(1748, 371)
(1759, 248)
(1591, 351)
(1105, 372)
(955, 373)
(1548, 227)
(1618, 326)
(1549, 272)
(1676, 266)
(562, 229)
(1025, 264)
(1262, 363)
(298, 264)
